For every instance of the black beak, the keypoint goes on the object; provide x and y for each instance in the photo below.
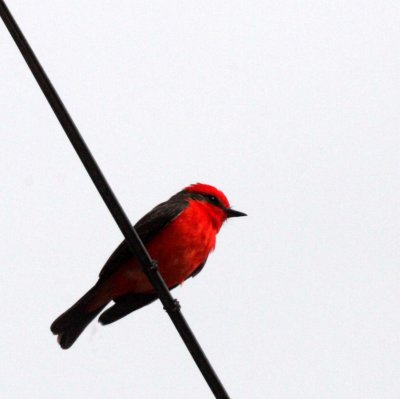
(231, 213)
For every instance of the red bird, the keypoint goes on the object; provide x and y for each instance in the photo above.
(179, 234)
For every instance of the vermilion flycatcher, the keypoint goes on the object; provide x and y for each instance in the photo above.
(179, 234)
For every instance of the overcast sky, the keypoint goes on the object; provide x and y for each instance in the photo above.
(292, 109)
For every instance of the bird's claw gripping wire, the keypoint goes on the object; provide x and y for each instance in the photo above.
(154, 265)
(174, 306)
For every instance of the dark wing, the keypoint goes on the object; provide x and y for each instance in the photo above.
(147, 227)
(120, 256)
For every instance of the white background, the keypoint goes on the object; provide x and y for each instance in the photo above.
(292, 109)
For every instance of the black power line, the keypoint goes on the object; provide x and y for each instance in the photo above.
(171, 305)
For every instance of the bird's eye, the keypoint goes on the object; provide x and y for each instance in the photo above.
(213, 199)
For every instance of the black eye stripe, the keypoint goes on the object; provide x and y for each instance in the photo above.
(213, 199)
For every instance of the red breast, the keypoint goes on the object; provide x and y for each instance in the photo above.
(179, 249)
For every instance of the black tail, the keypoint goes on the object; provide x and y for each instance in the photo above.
(72, 322)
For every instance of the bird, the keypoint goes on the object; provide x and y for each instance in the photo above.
(179, 235)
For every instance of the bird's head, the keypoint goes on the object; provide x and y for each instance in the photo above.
(213, 200)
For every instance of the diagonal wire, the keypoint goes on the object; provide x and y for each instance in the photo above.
(149, 266)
